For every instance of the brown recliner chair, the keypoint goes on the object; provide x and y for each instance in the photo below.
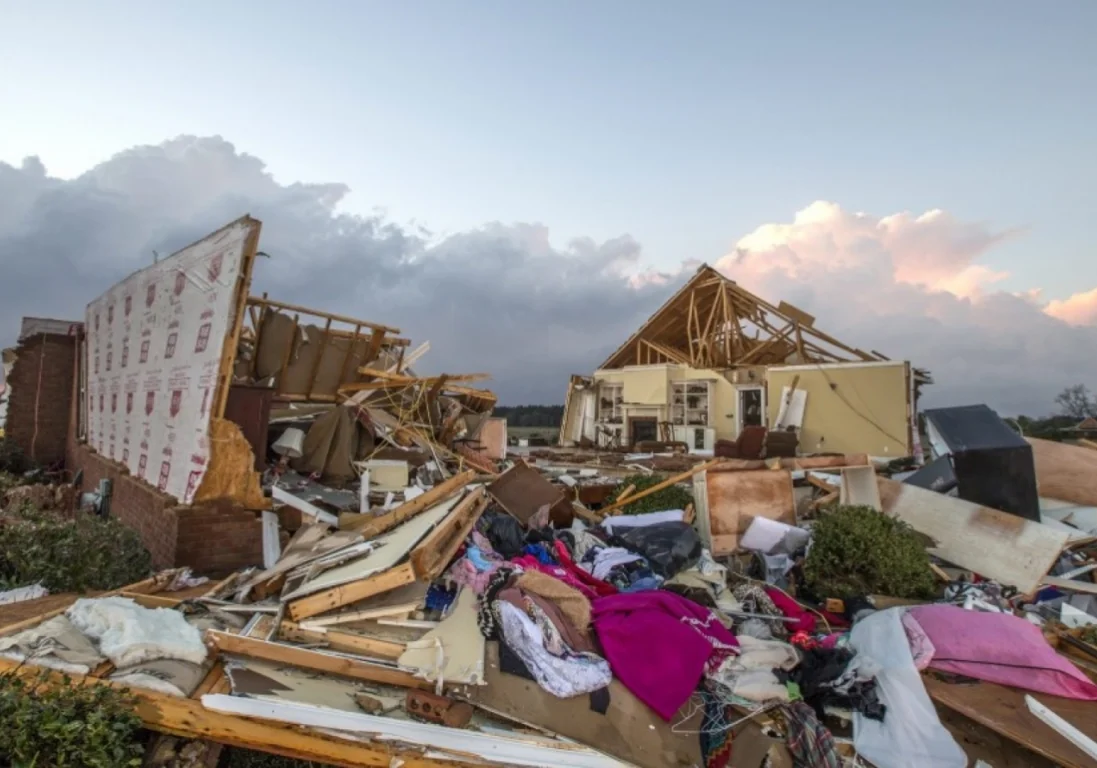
(748, 445)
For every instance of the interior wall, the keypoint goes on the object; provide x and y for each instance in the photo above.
(851, 407)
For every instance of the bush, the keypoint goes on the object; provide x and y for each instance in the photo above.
(673, 497)
(64, 726)
(858, 551)
(69, 555)
(246, 758)
(12, 458)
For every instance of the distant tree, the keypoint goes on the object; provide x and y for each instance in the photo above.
(1077, 402)
(531, 415)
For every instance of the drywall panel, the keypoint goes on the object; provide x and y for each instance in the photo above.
(155, 343)
(993, 544)
(850, 408)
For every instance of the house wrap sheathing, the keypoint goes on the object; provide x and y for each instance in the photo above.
(715, 359)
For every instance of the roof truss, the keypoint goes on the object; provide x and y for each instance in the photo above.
(711, 322)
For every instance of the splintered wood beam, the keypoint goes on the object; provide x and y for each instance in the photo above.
(264, 301)
(691, 320)
(436, 551)
(705, 338)
(281, 653)
(376, 341)
(342, 641)
(727, 325)
(800, 343)
(372, 527)
(337, 597)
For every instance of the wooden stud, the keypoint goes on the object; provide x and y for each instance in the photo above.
(320, 313)
(660, 486)
(317, 661)
(345, 642)
(232, 334)
(337, 597)
(436, 551)
(350, 351)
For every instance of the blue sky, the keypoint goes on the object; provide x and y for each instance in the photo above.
(684, 125)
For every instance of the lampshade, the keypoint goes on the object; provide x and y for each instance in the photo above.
(291, 444)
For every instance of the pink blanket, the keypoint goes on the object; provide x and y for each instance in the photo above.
(999, 648)
(658, 643)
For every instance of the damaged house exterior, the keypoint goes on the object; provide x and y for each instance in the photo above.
(717, 364)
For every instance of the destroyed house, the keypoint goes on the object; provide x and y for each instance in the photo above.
(201, 406)
(716, 363)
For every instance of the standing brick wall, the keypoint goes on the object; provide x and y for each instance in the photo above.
(42, 385)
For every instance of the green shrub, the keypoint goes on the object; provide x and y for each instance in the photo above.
(673, 497)
(858, 551)
(12, 458)
(63, 726)
(246, 758)
(63, 555)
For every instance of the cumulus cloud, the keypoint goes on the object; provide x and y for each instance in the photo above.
(912, 287)
(499, 299)
(1079, 309)
(504, 299)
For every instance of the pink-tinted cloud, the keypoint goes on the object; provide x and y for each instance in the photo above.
(916, 287)
(1079, 309)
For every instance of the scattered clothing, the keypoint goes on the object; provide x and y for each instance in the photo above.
(616, 523)
(562, 676)
(999, 648)
(659, 645)
(477, 558)
(839, 677)
(810, 742)
(716, 738)
(540, 552)
(911, 736)
(755, 600)
(669, 548)
(439, 598)
(606, 558)
(792, 610)
(571, 602)
(506, 534)
(921, 647)
(750, 674)
(710, 576)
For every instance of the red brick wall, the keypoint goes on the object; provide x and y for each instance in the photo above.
(42, 384)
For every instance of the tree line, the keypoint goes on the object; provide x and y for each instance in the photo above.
(531, 415)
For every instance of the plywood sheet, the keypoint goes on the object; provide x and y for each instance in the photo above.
(1003, 710)
(628, 730)
(734, 498)
(522, 490)
(1065, 472)
(994, 544)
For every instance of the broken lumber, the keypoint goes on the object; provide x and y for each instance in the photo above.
(372, 527)
(658, 487)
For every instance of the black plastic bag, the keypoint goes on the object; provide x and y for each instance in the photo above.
(507, 536)
(670, 548)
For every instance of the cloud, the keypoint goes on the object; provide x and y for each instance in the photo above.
(500, 299)
(912, 287)
(1079, 309)
(504, 299)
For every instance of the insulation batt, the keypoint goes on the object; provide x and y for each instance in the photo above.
(130, 634)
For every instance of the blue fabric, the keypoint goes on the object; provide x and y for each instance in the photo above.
(540, 552)
(476, 557)
(644, 582)
(438, 598)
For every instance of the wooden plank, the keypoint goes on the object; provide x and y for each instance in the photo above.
(373, 527)
(434, 553)
(232, 335)
(290, 343)
(317, 661)
(346, 642)
(264, 301)
(735, 498)
(1003, 710)
(336, 597)
(993, 544)
(659, 486)
(1071, 585)
(1065, 472)
(187, 718)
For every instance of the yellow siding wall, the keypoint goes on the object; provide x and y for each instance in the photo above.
(644, 385)
(850, 408)
(722, 401)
